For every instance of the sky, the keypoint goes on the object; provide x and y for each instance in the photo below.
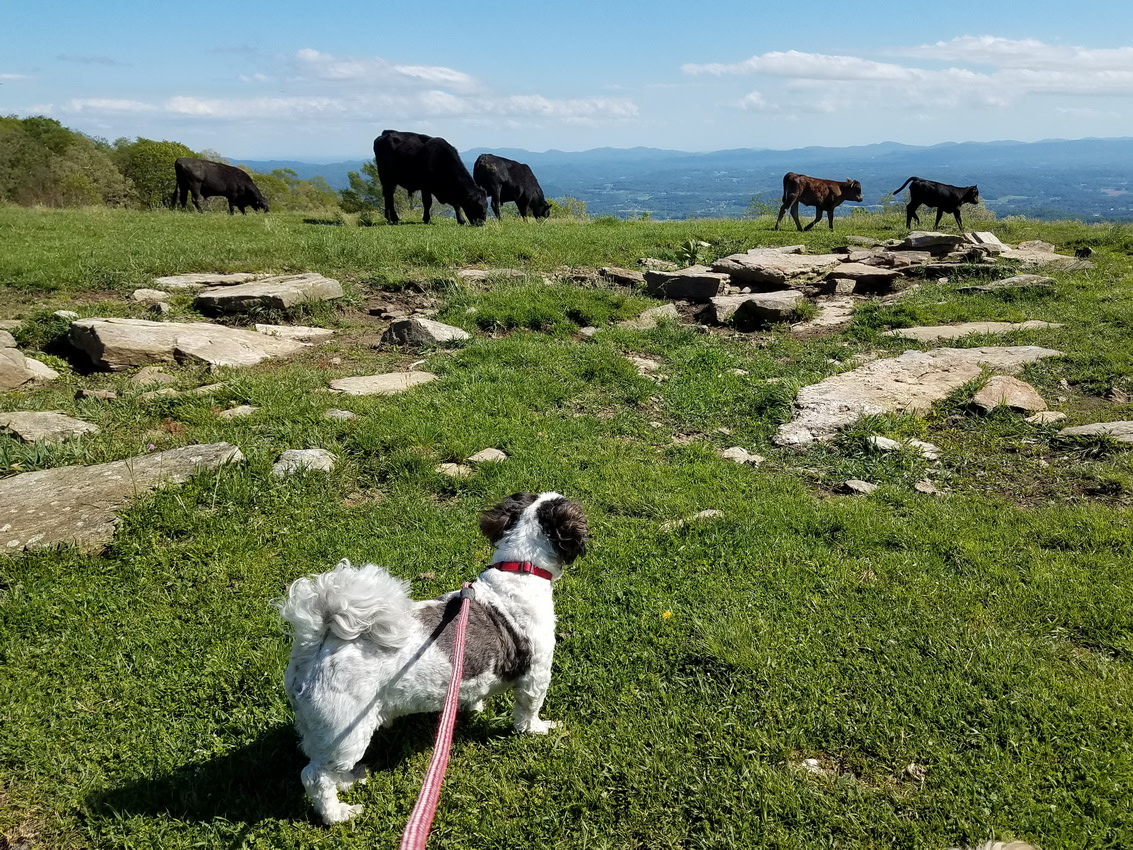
(262, 80)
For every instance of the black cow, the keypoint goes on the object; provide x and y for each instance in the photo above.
(204, 178)
(506, 180)
(941, 196)
(823, 195)
(432, 166)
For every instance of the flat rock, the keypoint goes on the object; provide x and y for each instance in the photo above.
(935, 242)
(833, 313)
(1036, 253)
(695, 283)
(651, 318)
(455, 470)
(78, 504)
(420, 331)
(120, 344)
(1005, 391)
(1121, 431)
(738, 454)
(294, 461)
(1046, 417)
(866, 276)
(272, 293)
(1019, 281)
(149, 296)
(41, 371)
(910, 383)
(626, 277)
(488, 456)
(200, 281)
(238, 412)
(775, 269)
(339, 415)
(934, 333)
(44, 426)
(757, 307)
(387, 384)
(298, 332)
(857, 487)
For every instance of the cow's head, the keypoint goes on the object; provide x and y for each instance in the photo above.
(971, 195)
(853, 190)
(541, 209)
(477, 207)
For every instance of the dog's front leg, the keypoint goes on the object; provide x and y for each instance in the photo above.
(530, 691)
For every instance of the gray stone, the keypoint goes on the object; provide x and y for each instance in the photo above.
(339, 415)
(774, 269)
(625, 277)
(1046, 417)
(101, 395)
(69, 315)
(147, 376)
(857, 487)
(418, 331)
(699, 516)
(10, 324)
(294, 461)
(738, 454)
(757, 307)
(937, 243)
(1036, 253)
(935, 333)
(695, 283)
(294, 332)
(1019, 281)
(651, 318)
(910, 383)
(14, 371)
(200, 281)
(833, 313)
(455, 470)
(644, 365)
(867, 277)
(488, 456)
(238, 412)
(119, 344)
(1121, 430)
(6, 339)
(78, 504)
(387, 384)
(41, 371)
(45, 426)
(492, 274)
(1003, 390)
(148, 296)
(273, 293)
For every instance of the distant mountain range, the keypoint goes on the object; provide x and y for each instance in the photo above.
(1087, 179)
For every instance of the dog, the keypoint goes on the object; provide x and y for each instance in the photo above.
(365, 653)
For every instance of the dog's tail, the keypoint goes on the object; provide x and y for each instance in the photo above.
(349, 602)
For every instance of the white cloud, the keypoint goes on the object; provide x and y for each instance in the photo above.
(109, 105)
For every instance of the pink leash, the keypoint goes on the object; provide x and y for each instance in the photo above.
(421, 818)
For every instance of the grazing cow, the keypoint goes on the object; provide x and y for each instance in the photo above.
(506, 180)
(432, 166)
(204, 178)
(823, 195)
(945, 198)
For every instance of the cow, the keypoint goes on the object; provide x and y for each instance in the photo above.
(431, 166)
(823, 195)
(941, 196)
(204, 178)
(506, 180)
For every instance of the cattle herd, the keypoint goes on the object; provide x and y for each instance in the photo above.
(432, 166)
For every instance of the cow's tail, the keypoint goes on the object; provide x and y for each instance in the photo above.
(903, 185)
(349, 602)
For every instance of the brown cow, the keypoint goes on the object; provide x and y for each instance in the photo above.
(824, 195)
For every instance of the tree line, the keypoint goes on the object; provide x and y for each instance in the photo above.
(43, 163)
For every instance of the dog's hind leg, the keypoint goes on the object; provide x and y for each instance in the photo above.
(335, 756)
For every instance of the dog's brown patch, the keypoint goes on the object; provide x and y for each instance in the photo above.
(492, 643)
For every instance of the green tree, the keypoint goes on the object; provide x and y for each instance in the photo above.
(43, 162)
(148, 165)
(365, 192)
(286, 191)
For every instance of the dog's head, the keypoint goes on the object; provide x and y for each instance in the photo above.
(558, 520)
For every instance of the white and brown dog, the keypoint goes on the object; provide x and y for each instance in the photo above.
(365, 653)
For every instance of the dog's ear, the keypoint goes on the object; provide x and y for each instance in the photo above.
(565, 526)
(495, 521)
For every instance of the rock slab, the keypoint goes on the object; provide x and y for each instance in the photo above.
(910, 383)
(78, 504)
(272, 293)
(119, 344)
(44, 426)
(388, 384)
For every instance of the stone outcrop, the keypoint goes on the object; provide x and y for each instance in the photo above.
(14, 369)
(420, 331)
(935, 333)
(695, 283)
(200, 281)
(44, 426)
(272, 293)
(1121, 431)
(79, 504)
(1005, 391)
(910, 383)
(1019, 281)
(757, 308)
(120, 344)
(774, 269)
(387, 384)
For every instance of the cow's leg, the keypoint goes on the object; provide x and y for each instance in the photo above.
(459, 214)
(959, 221)
(426, 203)
(390, 210)
(197, 200)
(911, 216)
(829, 216)
(795, 215)
(232, 207)
(939, 214)
(496, 206)
(782, 212)
(818, 218)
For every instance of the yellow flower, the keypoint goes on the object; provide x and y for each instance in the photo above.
(666, 615)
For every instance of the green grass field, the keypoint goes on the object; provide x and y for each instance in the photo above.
(803, 670)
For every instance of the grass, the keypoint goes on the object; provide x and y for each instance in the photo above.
(804, 669)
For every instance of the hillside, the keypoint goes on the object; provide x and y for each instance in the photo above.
(1088, 179)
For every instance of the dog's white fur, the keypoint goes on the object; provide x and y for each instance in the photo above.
(363, 654)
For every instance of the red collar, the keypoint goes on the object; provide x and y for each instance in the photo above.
(522, 567)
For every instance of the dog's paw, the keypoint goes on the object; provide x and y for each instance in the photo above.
(536, 726)
(340, 813)
(357, 776)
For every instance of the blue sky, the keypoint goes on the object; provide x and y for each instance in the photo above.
(259, 80)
